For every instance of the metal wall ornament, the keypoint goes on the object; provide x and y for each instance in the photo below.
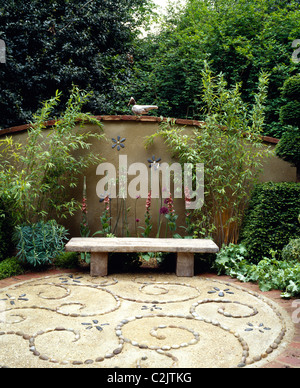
(118, 143)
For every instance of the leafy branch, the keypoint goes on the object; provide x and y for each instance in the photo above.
(39, 175)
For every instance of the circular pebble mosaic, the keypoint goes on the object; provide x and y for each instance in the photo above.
(145, 321)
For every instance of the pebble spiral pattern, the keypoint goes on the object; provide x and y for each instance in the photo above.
(127, 321)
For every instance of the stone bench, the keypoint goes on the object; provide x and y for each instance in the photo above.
(100, 247)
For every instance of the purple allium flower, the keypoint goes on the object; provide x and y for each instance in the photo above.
(164, 210)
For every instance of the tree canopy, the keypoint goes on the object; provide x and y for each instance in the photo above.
(96, 45)
(238, 38)
(56, 43)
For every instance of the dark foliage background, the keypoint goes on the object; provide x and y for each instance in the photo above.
(97, 45)
(52, 44)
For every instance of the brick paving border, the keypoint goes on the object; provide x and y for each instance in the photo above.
(290, 358)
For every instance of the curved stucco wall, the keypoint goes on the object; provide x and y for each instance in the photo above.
(135, 130)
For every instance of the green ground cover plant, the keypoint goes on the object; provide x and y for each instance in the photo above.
(67, 260)
(291, 252)
(270, 273)
(10, 267)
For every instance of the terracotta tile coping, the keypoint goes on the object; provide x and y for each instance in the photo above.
(290, 358)
(145, 119)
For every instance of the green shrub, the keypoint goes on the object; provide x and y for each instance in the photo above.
(289, 113)
(67, 260)
(6, 228)
(40, 243)
(277, 130)
(291, 88)
(271, 220)
(10, 267)
(292, 251)
(288, 148)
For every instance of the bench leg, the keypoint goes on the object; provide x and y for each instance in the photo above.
(99, 264)
(185, 264)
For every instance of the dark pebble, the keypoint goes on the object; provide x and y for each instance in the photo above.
(44, 358)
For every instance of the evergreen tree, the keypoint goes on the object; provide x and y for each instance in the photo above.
(52, 44)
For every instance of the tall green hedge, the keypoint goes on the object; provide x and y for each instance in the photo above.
(288, 148)
(291, 88)
(272, 219)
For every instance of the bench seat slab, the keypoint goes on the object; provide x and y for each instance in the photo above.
(128, 245)
(100, 247)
